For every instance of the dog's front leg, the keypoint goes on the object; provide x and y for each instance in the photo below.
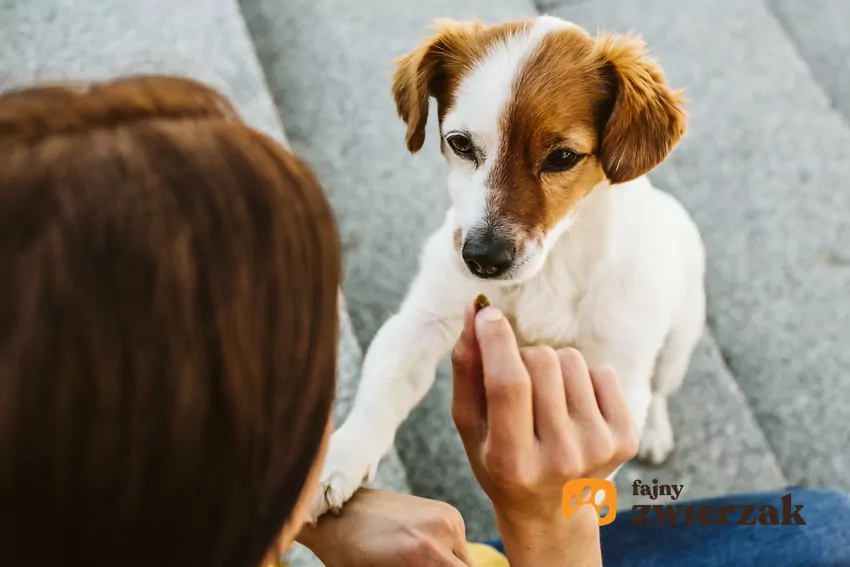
(399, 368)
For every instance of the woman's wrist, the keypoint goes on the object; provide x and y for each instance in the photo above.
(541, 542)
(316, 539)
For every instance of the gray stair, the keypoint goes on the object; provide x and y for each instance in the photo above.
(819, 29)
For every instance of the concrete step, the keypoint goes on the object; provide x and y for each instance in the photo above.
(819, 31)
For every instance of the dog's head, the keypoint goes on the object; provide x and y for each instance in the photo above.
(533, 115)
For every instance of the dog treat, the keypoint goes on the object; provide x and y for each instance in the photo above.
(481, 302)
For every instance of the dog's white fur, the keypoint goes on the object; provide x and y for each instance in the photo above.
(620, 278)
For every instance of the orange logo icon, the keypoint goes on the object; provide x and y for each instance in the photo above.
(599, 493)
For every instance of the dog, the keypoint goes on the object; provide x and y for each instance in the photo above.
(548, 133)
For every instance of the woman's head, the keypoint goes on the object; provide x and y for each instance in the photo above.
(168, 326)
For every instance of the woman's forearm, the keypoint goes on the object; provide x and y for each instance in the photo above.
(572, 542)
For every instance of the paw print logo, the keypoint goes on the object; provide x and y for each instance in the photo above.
(599, 493)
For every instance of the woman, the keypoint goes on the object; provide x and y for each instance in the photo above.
(168, 330)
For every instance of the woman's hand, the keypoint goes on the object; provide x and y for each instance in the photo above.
(531, 420)
(378, 528)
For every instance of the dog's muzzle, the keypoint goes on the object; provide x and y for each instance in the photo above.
(488, 255)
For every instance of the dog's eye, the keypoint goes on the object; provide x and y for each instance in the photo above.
(561, 160)
(461, 145)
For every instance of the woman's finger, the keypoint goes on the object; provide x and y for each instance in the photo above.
(581, 400)
(613, 405)
(462, 555)
(507, 386)
(455, 561)
(469, 405)
(457, 544)
(547, 391)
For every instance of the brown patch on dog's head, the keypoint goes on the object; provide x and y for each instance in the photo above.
(600, 99)
(436, 67)
(560, 103)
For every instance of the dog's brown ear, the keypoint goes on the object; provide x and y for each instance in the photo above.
(647, 118)
(423, 73)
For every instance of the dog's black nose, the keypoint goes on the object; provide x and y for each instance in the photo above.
(488, 256)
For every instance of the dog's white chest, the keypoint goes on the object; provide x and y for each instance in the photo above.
(542, 314)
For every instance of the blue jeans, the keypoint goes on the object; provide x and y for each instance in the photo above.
(823, 542)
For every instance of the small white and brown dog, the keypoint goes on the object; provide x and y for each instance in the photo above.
(548, 133)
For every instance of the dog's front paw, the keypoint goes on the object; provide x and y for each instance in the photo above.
(347, 466)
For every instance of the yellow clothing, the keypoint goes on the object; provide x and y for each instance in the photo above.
(486, 556)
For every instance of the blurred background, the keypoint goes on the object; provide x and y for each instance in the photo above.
(764, 170)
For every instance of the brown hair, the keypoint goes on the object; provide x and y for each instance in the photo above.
(168, 327)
